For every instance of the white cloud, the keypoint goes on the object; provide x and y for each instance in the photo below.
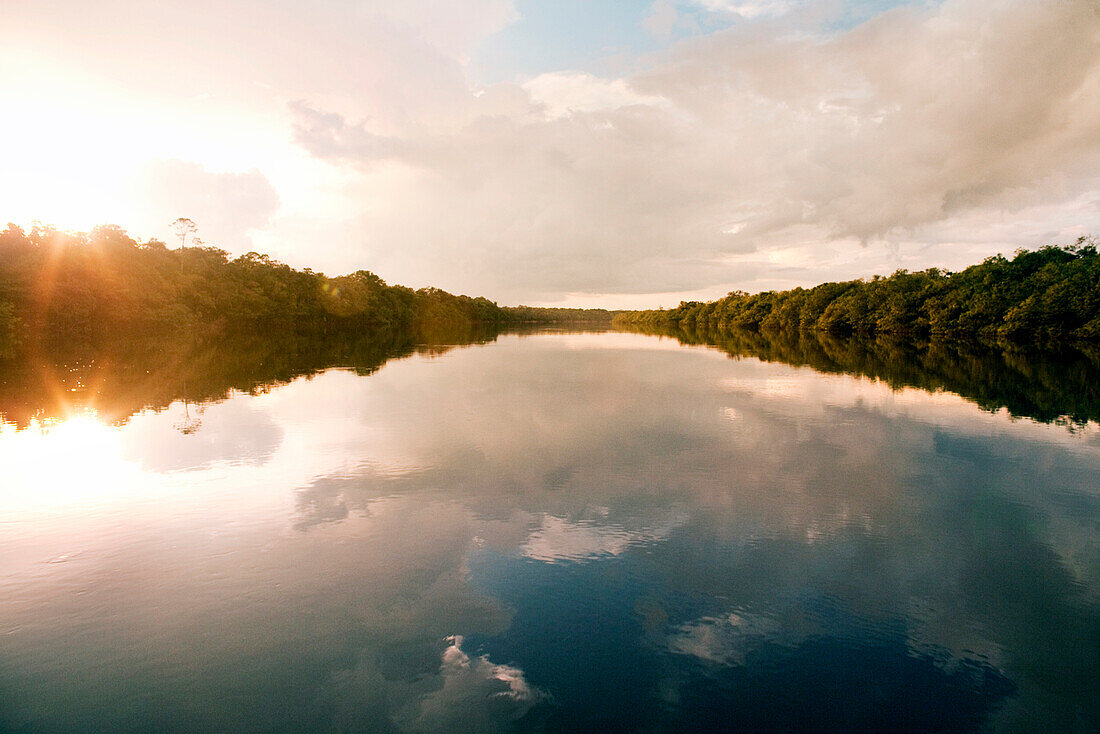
(748, 10)
(396, 59)
(565, 93)
(662, 19)
(750, 139)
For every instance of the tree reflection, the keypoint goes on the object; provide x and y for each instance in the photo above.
(119, 377)
(122, 376)
(1051, 386)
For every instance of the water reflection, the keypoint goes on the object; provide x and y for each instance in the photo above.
(565, 532)
(117, 379)
(60, 463)
(1056, 384)
(121, 377)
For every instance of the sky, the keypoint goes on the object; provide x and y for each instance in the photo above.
(625, 154)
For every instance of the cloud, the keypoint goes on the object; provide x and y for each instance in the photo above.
(908, 119)
(328, 135)
(399, 58)
(226, 206)
(747, 10)
(584, 203)
(560, 94)
(947, 131)
(661, 19)
(745, 140)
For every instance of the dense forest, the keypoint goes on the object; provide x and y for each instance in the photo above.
(86, 286)
(1046, 295)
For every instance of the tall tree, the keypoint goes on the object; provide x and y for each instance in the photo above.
(184, 227)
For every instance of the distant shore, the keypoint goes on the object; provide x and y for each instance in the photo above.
(1047, 295)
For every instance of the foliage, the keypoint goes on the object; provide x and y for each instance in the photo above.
(87, 286)
(9, 325)
(543, 315)
(1050, 294)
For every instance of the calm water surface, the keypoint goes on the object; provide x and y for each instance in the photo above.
(559, 532)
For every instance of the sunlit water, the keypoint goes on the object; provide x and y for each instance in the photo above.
(558, 532)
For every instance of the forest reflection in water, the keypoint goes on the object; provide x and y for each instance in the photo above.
(559, 531)
(121, 377)
(1053, 384)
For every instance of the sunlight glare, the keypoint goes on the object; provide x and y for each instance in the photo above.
(51, 466)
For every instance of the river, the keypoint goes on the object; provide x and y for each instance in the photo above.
(545, 532)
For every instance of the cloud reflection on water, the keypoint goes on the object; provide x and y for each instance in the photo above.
(373, 518)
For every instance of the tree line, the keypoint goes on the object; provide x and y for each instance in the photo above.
(88, 285)
(1046, 295)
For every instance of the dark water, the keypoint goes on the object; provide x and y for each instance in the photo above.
(563, 532)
